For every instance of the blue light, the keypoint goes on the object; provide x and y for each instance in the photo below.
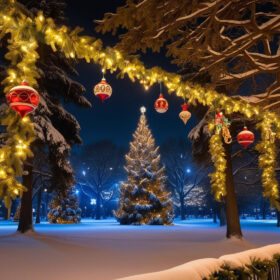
(84, 172)
(77, 191)
(188, 170)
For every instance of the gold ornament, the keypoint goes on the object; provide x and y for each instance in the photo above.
(226, 135)
(185, 114)
(270, 136)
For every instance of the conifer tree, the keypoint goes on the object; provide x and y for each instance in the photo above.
(143, 197)
(64, 208)
(54, 126)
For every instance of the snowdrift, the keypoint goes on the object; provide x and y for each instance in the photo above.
(197, 270)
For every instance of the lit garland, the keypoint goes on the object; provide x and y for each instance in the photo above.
(217, 151)
(13, 20)
(267, 162)
(13, 155)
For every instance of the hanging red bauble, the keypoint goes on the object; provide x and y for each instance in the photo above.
(161, 104)
(185, 114)
(23, 99)
(245, 137)
(103, 90)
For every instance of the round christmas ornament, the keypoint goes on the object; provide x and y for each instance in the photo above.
(103, 90)
(245, 137)
(23, 99)
(185, 114)
(161, 104)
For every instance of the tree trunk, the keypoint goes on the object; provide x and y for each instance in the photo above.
(263, 207)
(215, 215)
(46, 205)
(38, 211)
(182, 208)
(223, 220)
(7, 213)
(278, 218)
(263, 214)
(26, 219)
(98, 207)
(233, 222)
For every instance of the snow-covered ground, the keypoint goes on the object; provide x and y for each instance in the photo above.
(103, 250)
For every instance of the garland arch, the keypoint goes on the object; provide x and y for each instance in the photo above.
(25, 33)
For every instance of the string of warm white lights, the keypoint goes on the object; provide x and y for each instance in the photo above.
(26, 32)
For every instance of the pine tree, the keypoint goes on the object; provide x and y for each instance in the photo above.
(144, 199)
(55, 128)
(64, 208)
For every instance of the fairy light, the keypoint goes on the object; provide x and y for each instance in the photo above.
(2, 173)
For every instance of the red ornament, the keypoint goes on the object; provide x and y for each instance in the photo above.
(185, 114)
(219, 117)
(161, 104)
(245, 137)
(103, 90)
(23, 99)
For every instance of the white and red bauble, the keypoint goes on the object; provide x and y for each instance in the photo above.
(161, 104)
(185, 114)
(103, 90)
(245, 137)
(23, 99)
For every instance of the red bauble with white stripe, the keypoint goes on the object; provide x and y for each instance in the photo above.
(23, 99)
(103, 90)
(245, 137)
(161, 104)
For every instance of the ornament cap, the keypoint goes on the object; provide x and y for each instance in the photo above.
(160, 95)
(185, 106)
(25, 83)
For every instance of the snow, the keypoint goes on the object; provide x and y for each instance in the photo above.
(194, 270)
(239, 259)
(197, 270)
(104, 250)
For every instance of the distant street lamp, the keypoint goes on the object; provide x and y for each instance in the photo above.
(92, 201)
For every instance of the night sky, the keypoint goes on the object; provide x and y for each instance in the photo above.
(116, 119)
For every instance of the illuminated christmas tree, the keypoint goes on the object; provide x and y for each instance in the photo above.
(144, 199)
(64, 208)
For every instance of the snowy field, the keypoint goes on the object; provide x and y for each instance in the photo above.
(100, 250)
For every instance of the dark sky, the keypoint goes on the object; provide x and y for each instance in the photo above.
(116, 119)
